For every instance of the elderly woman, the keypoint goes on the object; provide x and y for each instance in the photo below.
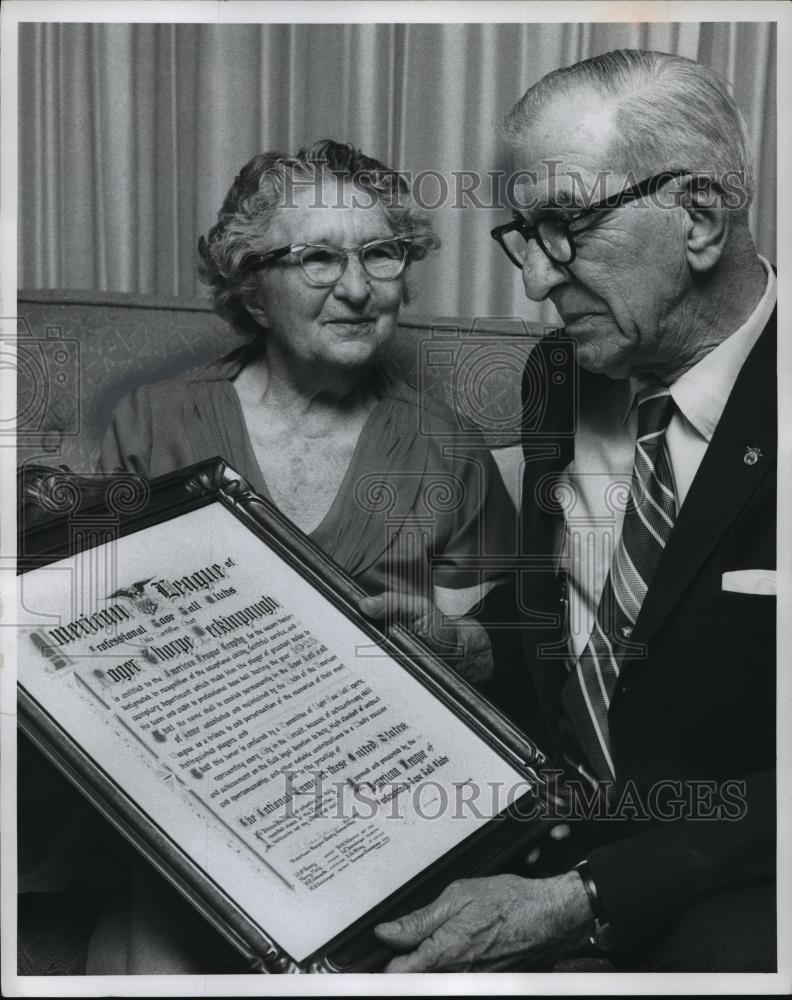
(309, 261)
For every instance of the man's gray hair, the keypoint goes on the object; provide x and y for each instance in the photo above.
(671, 112)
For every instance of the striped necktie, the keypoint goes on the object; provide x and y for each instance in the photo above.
(648, 521)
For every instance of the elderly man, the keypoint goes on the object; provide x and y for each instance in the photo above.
(658, 685)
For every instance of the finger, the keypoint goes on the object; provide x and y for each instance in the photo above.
(443, 950)
(373, 607)
(432, 959)
(412, 928)
(388, 603)
(480, 668)
(393, 605)
(424, 959)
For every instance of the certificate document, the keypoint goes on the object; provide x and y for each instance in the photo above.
(286, 753)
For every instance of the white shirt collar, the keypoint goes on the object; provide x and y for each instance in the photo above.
(701, 392)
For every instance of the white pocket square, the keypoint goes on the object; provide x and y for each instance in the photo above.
(750, 581)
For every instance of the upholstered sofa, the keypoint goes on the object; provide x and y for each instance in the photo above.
(78, 353)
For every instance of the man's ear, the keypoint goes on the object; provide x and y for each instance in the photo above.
(707, 224)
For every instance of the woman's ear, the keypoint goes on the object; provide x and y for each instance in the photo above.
(707, 225)
(258, 313)
(252, 300)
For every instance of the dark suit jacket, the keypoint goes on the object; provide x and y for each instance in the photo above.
(700, 704)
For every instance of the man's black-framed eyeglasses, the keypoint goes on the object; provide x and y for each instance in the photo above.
(555, 231)
(324, 263)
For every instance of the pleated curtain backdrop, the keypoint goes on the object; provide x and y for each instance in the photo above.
(131, 134)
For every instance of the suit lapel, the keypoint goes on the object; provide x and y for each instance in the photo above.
(548, 447)
(723, 483)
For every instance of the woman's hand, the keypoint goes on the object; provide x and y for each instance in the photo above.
(460, 642)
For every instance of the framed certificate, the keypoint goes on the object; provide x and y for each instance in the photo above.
(200, 670)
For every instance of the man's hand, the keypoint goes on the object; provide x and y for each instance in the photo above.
(460, 642)
(487, 923)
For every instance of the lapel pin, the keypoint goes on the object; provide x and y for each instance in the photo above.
(752, 455)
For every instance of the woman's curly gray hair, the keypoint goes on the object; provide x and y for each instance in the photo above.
(263, 186)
